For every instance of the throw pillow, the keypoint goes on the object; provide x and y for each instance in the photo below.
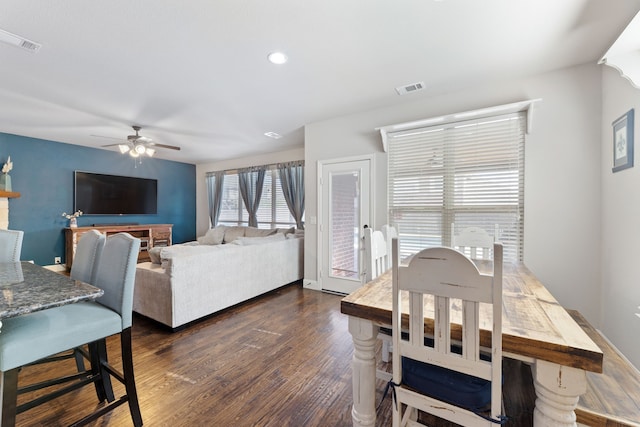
(259, 232)
(232, 233)
(286, 231)
(154, 254)
(214, 236)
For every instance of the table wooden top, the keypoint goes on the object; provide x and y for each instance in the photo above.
(534, 324)
(26, 287)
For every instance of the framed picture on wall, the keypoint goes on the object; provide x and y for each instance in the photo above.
(623, 142)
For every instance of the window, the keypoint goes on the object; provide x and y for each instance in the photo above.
(273, 210)
(467, 173)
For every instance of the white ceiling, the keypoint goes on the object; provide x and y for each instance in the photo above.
(195, 73)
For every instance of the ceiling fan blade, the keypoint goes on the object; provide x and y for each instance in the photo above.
(108, 137)
(171, 147)
(136, 139)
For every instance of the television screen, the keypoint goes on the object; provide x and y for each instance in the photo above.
(99, 194)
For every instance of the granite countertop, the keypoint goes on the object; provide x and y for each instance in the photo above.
(26, 287)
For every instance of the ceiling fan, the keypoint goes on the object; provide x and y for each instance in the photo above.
(138, 145)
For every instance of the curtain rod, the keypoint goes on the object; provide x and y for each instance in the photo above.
(269, 166)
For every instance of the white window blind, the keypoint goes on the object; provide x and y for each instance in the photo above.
(469, 173)
(232, 211)
(272, 212)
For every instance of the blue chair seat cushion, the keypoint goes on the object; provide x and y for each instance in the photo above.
(454, 387)
(28, 338)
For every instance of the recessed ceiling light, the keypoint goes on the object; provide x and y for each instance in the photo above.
(278, 58)
(273, 135)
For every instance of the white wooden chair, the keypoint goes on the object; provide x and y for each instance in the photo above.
(473, 241)
(377, 262)
(389, 232)
(419, 365)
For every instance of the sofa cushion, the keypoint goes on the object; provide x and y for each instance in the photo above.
(247, 241)
(232, 233)
(259, 232)
(214, 236)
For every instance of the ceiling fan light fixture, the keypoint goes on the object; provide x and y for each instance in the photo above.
(134, 154)
(140, 149)
(150, 152)
(123, 148)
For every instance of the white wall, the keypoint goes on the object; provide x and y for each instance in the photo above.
(202, 201)
(562, 182)
(620, 224)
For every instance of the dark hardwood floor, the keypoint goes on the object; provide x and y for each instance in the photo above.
(279, 360)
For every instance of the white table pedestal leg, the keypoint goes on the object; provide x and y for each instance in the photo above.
(558, 389)
(363, 368)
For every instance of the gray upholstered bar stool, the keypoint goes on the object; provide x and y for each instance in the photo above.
(26, 339)
(84, 268)
(10, 245)
(88, 252)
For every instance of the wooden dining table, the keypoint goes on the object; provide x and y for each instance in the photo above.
(536, 329)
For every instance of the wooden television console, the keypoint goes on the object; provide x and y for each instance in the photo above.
(150, 235)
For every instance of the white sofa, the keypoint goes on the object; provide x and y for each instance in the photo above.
(194, 280)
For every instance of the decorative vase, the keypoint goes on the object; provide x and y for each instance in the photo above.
(5, 182)
(73, 222)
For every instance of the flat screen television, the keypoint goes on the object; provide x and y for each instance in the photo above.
(100, 194)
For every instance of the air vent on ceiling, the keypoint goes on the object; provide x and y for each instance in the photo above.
(413, 87)
(18, 41)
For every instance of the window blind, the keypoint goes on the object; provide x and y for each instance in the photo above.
(467, 173)
(272, 211)
(232, 209)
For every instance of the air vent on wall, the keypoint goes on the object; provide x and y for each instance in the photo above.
(413, 87)
(18, 41)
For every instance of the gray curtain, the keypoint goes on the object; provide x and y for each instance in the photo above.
(214, 189)
(251, 181)
(292, 181)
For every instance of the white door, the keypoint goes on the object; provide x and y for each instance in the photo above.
(346, 208)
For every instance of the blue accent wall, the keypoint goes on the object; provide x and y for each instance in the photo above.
(43, 175)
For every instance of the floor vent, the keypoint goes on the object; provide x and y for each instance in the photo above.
(413, 87)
